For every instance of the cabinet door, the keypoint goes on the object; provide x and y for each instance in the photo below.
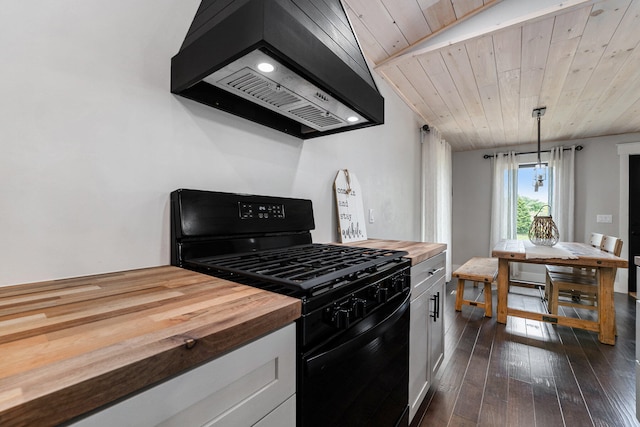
(638, 358)
(436, 326)
(419, 369)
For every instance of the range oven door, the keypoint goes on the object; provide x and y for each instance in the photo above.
(359, 380)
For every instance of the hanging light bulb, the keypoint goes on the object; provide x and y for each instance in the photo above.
(539, 170)
(539, 176)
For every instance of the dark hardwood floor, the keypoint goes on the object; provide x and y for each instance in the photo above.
(530, 373)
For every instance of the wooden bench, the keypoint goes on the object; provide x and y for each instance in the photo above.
(477, 269)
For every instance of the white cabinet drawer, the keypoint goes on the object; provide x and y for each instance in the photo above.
(239, 388)
(283, 415)
(426, 274)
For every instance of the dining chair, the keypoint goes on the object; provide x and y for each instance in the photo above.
(596, 241)
(580, 288)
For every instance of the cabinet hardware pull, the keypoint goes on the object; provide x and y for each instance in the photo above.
(435, 314)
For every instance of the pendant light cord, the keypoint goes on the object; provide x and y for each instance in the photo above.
(539, 162)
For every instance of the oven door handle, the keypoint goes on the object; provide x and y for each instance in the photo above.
(335, 354)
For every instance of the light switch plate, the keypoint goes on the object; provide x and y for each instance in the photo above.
(604, 219)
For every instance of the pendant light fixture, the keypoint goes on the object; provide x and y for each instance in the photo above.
(539, 170)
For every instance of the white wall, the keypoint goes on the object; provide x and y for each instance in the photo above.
(597, 192)
(93, 143)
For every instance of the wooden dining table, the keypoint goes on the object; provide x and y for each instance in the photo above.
(582, 255)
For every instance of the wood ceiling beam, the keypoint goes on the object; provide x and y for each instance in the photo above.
(494, 17)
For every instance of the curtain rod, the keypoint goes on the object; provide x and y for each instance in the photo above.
(490, 156)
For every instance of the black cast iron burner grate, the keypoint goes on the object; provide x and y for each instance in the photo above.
(304, 267)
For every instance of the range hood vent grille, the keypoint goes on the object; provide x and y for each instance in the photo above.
(321, 83)
(260, 88)
(250, 84)
(316, 116)
(283, 91)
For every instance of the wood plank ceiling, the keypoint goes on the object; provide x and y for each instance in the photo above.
(479, 85)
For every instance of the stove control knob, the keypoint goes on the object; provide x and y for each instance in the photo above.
(358, 307)
(378, 294)
(382, 294)
(341, 318)
(398, 283)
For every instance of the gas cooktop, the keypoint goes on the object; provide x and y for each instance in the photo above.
(303, 267)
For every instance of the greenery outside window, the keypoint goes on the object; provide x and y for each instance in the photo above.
(529, 201)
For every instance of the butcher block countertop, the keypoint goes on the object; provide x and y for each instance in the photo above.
(70, 346)
(418, 251)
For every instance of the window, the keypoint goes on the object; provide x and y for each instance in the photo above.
(529, 201)
(512, 185)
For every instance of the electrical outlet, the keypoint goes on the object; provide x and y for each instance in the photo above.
(604, 219)
(371, 218)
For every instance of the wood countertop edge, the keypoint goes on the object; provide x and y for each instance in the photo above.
(60, 391)
(417, 251)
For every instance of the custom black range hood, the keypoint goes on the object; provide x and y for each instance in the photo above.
(320, 83)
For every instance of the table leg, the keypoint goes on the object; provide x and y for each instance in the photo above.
(488, 303)
(460, 294)
(606, 307)
(503, 289)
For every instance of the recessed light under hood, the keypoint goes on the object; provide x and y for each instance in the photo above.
(316, 82)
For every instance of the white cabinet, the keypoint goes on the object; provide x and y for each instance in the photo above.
(638, 355)
(253, 385)
(426, 331)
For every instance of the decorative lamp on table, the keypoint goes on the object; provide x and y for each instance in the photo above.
(543, 231)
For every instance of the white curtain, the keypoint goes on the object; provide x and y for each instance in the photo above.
(504, 198)
(436, 191)
(561, 188)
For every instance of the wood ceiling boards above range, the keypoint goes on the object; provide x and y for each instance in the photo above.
(476, 69)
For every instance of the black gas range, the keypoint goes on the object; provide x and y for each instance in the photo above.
(352, 337)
